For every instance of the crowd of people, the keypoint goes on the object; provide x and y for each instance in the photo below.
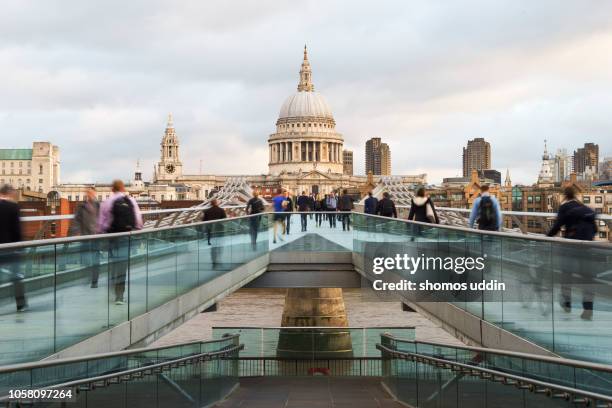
(120, 213)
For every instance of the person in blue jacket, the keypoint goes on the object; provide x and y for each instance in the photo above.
(370, 204)
(486, 210)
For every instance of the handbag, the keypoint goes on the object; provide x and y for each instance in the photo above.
(429, 213)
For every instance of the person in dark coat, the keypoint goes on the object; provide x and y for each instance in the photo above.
(386, 206)
(422, 209)
(288, 210)
(85, 222)
(303, 204)
(254, 206)
(345, 205)
(319, 207)
(370, 205)
(11, 232)
(214, 212)
(579, 222)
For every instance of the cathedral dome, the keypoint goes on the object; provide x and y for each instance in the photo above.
(305, 104)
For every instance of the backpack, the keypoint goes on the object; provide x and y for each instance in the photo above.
(124, 219)
(488, 215)
(584, 226)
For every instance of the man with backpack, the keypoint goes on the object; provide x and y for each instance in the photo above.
(486, 210)
(386, 206)
(119, 213)
(579, 222)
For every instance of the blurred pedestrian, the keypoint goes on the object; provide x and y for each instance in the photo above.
(579, 222)
(215, 229)
(85, 222)
(303, 204)
(11, 232)
(254, 206)
(487, 211)
(386, 206)
(346, 205)
(289, 208)
(331, 206)
(278, 203)
(119, 213)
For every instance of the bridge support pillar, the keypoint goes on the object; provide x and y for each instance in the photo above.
(314, 307)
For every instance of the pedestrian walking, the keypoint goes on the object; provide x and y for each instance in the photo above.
(487, 211)
(319, 205)
(85, 222)
(254, 206)
(214, 230)
(579, 222)
(346, 205)
(370, 204)
(119, 213)
(11, 232)
(386, 206)
(279, 203)
(331, 206)
(288, 210)
(422, 209)
(303, 204)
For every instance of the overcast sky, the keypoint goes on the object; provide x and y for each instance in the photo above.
(99, 78)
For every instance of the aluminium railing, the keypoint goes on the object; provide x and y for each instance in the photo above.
(552, 390)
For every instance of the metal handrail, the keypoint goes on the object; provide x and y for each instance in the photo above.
(127, 375)
(147, 212)
(312, 327)
(556, 360)
(193, 209)
(559, 240)
(90, 357)
(533, 385)
(506, 212)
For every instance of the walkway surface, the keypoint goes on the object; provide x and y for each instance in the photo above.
(313, 392)
(256, 307)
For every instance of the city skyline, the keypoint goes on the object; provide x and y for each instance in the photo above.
(103, 98)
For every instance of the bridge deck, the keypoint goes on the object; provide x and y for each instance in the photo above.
(312, 392)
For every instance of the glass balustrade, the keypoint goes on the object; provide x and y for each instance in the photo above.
(200, 383)
(426, 385)
(76, 288)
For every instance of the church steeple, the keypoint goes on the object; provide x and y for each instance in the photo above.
(545, 177)
(508, 182)
(305, 84)
(169, 168)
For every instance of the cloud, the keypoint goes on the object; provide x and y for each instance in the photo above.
(98, 79)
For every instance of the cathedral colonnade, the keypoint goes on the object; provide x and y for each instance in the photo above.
(305, 151)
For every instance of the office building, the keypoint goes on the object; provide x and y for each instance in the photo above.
(586, 160)
(347, 162)
(378, 157)
(36, 169)
(476, 156)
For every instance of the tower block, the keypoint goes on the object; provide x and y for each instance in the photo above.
(320, 308)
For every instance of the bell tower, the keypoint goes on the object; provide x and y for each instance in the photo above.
(169, 168)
